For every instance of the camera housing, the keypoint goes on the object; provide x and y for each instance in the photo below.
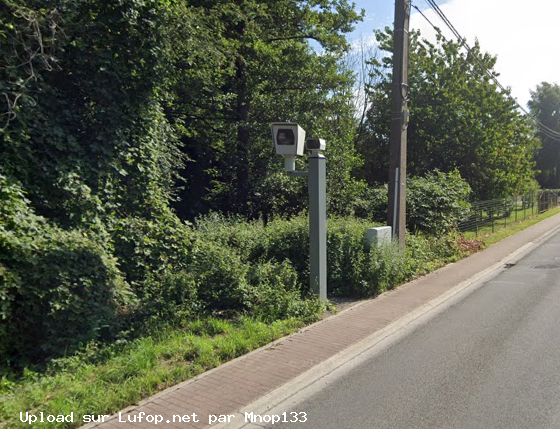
(288, 137)
(315, 144)
(289, 141)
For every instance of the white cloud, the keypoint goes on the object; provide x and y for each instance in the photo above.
(364, 42)
(523, 35)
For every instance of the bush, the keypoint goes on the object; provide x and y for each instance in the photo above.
(269, 266)
(388, 267)
(237, 266)
(347, 256)
(373, 204)
(426, 253)
(279, 240)
(436, 201)
(287, 240)
(58, 288)
(277, 257)
(278, 295)
(171, 297)
(245, 266)
(222, 277)
(358, 270)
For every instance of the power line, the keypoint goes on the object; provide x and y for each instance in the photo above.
(427, 19)
(548, 132)
(543, 128)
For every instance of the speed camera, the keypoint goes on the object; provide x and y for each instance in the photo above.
(288, 137)
(289, 141)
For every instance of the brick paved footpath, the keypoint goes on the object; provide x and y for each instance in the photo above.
(234, 385)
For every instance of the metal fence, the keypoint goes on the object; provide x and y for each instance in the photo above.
(497, 213)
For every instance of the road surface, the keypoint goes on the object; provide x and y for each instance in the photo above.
(491, 361)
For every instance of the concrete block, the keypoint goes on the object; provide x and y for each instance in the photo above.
(378, 236)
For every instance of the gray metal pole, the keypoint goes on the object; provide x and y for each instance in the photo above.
(318, 225)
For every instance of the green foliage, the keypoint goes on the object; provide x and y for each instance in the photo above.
(388, 268)
(251, 63)
(426, 253)
(279, 295)
(545, 106)
(279, 257)
(147, 249)
(222, 277)
(279, 240)
(278, 194)
(372, 203)
(288, 240)
(356, 269)
(437, 202)
(28, 45)
(459, 119)
(347, 257)
(249, 267)
(170, 297)
(88, 137)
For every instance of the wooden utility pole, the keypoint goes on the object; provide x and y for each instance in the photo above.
(399, 123)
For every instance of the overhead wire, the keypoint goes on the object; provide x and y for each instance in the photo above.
(543, 128)
(548, 132)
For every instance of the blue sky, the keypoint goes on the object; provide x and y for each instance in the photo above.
(379, 13)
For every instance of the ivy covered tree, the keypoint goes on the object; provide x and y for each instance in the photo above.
(106, 100)
(86, 134)
(458, 119)
(86, 146)
(545, 106)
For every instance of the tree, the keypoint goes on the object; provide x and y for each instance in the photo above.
(264, 70)
(545, 106)
(458, 119)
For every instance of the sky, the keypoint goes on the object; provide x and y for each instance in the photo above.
(523, 35)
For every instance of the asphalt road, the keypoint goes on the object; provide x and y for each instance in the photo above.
(491, 361)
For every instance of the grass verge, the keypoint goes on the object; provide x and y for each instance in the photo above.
(104, 381)
(488, 237)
